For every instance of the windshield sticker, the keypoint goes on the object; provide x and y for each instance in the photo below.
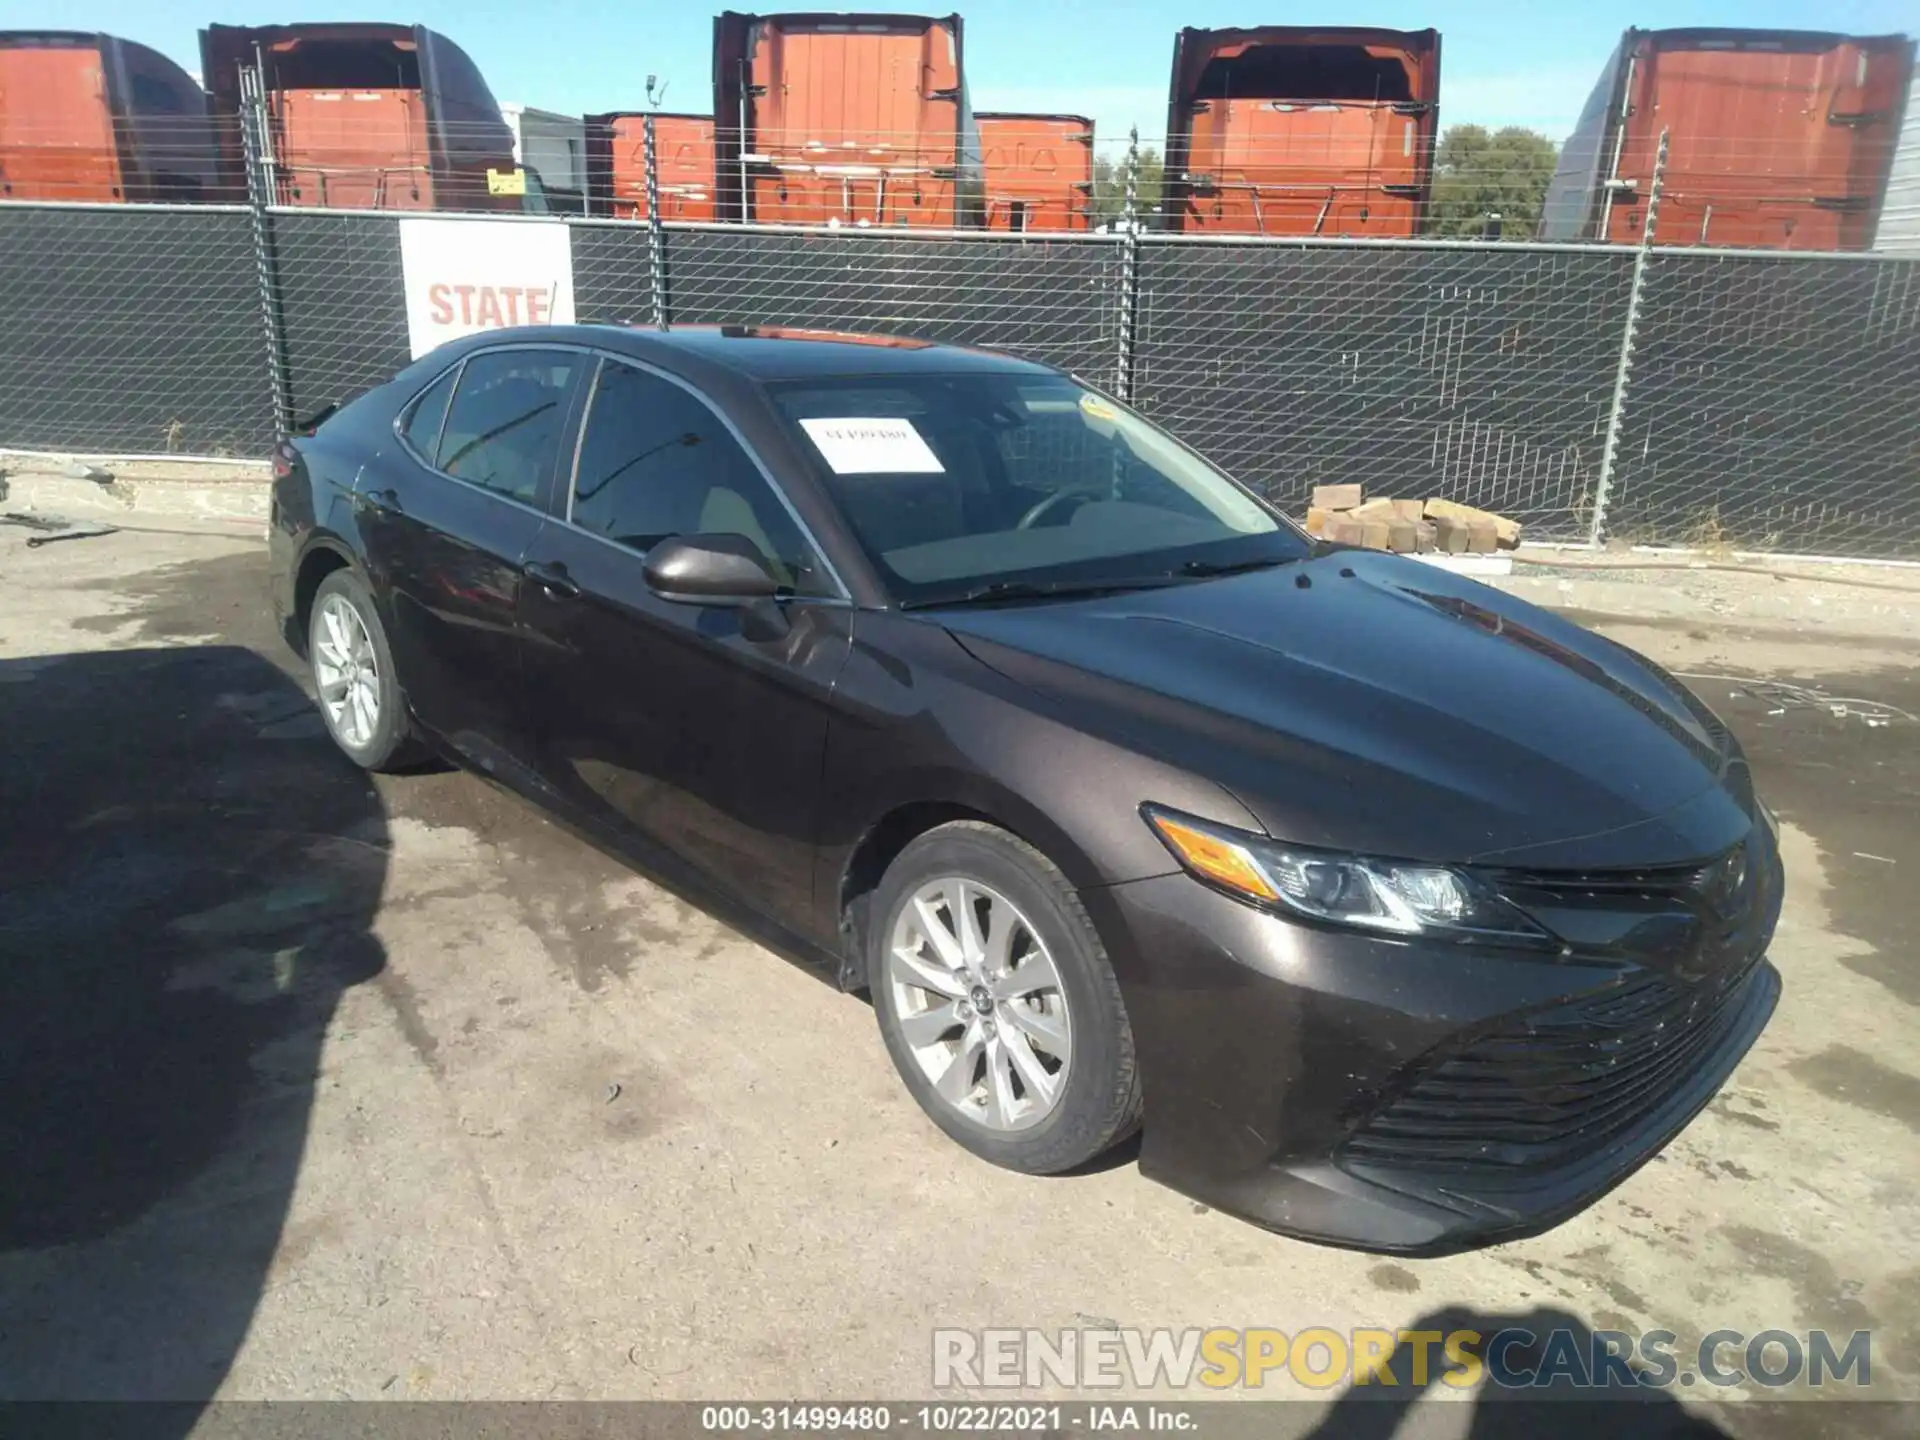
(872, 446)
(1097, 409)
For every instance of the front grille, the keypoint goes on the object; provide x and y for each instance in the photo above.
(1557, 1085)
(1703, 918)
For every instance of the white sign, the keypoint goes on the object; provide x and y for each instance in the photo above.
(873, 447)
(466, 275)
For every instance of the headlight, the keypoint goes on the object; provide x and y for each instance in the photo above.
(1392, 896)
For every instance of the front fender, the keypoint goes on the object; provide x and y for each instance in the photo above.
(920, 722)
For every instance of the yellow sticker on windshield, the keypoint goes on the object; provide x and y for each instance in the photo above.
(1094, 408)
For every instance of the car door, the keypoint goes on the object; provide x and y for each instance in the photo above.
(447, 511)
(700, 727)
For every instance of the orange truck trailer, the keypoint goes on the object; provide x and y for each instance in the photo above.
(1037, 171)
(617, 165)
(88, 117)
(844, 119)
(365, 116)
(1290, 130)
(1776, 139)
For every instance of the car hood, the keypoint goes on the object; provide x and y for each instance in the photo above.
(1377, 704)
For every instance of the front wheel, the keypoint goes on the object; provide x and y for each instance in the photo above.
(997, 1003)
(360, 696)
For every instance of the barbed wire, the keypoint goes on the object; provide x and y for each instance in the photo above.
(29, 127)
(39, 125)
(1059, 174)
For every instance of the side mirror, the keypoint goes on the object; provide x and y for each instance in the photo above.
(709, 570)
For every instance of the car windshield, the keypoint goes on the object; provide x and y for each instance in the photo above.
(1011, 483)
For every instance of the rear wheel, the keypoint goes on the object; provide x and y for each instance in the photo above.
(360, 696)
(997, 1003)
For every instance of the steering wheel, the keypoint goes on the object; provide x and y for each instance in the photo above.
(1059, 497)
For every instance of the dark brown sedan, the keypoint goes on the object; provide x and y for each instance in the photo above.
(1400, 913)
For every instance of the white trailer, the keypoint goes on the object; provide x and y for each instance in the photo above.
(552, 149)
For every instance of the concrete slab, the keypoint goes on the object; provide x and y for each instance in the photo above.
(316, 1087)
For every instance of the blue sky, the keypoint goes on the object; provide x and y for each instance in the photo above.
(1528, 62)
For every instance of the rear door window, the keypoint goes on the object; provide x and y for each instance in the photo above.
(503, 427)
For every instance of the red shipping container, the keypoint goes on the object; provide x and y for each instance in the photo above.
(95, 117)
(843, 119)
(617, 165)
(1286, 130)
(1038, 171)
(1775, 139)
(365, 116)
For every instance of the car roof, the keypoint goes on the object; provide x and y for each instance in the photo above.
(772, 352)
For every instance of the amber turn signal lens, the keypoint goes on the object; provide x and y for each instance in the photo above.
(1220, 861)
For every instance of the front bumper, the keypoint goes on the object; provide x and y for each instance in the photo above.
(1336, 1086)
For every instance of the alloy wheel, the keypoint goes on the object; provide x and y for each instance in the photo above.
(979, 1003)
(346, 671)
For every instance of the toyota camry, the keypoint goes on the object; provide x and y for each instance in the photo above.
(1395, 912)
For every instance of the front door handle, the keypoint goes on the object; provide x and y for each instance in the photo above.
(552, 577)
(387, 499)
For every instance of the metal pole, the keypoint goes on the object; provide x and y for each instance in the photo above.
(656, 232)
(256, 140)
(1623, 372)
(1608, 185)
(740, 145)
(1129, 268)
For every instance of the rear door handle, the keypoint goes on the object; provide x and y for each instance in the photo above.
(552, 577)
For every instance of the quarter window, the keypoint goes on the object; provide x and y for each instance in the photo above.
(655, 462)
(422, 426)
(505, 420)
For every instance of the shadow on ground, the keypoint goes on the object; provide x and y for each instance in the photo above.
(1544, 1359)
(1545, 1374)
(188, 876)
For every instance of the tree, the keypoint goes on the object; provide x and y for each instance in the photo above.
(1477, 175)
(1110, 186)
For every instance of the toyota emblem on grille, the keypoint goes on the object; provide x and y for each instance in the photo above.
(1724, 884)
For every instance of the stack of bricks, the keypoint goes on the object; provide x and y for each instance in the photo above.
(1341, 514)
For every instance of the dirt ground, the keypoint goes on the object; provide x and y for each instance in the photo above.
(316, 1088)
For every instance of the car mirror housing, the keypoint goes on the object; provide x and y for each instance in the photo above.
(709, 570)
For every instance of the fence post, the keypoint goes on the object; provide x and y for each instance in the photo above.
(656, 232)
(1623, 372)
(1129, 269)
(257, 142)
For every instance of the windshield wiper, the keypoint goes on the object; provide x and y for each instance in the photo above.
(1231, 567)
(1039, 590)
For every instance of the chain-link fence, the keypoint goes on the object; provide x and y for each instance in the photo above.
(1763, 400)
(1052, 298)
(131, 329)
(1774, 402)
(341, 299)
(1479, 374)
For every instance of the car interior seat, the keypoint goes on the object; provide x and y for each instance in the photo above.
(898, 511)
(725, 511)
(508, 455)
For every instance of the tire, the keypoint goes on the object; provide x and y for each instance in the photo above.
(387, 743)
(1021, 1126)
